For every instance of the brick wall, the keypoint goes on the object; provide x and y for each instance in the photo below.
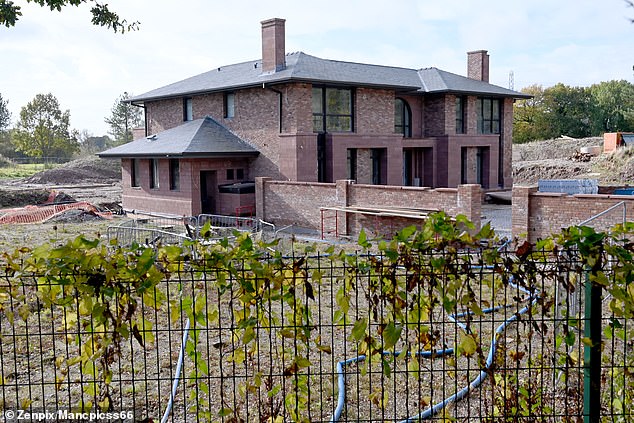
(374, 111)
(297, 203)
(186, 201)
(537, 215)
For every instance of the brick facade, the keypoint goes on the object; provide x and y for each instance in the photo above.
(299, 203)
(276, 118)
(537, 215)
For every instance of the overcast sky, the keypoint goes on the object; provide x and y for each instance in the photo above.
(576, 42)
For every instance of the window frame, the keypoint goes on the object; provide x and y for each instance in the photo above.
(188, 109)
(154, 173)
(405, 126)
(324, 113)
(174, 168)
(135, 176)
(489, 116)
(229, 105)
(461, 109)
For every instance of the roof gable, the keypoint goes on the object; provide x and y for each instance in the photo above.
(197, 138)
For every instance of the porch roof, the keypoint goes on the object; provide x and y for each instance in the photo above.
(197, 138)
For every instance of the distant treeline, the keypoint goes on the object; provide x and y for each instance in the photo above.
(577, 112)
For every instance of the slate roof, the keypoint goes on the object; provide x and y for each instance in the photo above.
(301, 67)
(197, 138)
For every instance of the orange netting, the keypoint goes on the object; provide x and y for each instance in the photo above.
(39, 214)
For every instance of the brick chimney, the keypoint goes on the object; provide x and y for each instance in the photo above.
(273, 45)
(478, 65)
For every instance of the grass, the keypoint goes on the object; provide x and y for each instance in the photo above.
(23, 170)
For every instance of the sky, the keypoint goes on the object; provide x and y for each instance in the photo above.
(545, 42)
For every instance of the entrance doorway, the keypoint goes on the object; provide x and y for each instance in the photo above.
(208, 187)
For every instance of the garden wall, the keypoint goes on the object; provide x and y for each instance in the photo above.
(300, 203)
(539, 214)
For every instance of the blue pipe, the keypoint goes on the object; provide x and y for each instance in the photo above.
(431, 411)
(179, 367)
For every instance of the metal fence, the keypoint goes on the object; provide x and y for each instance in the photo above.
(155, 229)
(330, 337)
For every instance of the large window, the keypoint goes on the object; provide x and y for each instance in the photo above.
(488, 115)
(175, 174)
(351, 164)
(402, 118)
(460, 114)
(154, 173)
(332, 110)
(188, 109)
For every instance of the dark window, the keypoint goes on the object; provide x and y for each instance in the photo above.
(229, 174)
(460, 114)
(378, 166)
(154, 173)
(351, 168)
(240, 174)
(175, 174)
(321, 157)
(229, 106)
(402, 118)
(332, 110)
(135, 179)
(188, 109)
(488, 116)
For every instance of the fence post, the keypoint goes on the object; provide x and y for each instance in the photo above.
(592, 353)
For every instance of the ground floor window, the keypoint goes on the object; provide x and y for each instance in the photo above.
(135, 179)
(351, 164)
(418, 167)
(175, 174)
(154, 173)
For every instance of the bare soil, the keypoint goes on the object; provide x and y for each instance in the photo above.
(560, 159)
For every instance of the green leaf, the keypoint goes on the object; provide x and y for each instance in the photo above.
(358, 331)
(391, 334)
(468, 345)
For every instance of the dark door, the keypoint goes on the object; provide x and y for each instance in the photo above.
(208, 191)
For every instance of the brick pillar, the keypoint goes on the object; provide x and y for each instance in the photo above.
(470, 202)
(520, 211)
(260, 195)
(342, 201)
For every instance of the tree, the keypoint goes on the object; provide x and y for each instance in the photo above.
(567, 111)
(91, 144)
(6, 148)
(5, 115)
(123, 119)
(528, 115)
(44, 130)
(101, 15)
(613, 106)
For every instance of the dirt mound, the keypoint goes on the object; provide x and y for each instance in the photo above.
(528, 172)
(83, 170)
(561, 158)
(559, 148)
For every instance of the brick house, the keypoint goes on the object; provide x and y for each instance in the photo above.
(301, 118)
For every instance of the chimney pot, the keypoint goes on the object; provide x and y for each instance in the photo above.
(273, 45)
(478, 65)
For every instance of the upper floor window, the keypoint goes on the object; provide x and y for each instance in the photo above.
(332, 110)
(229, 106)
(402, 118)
(461, 108)
(488, 115)
(188, 109)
